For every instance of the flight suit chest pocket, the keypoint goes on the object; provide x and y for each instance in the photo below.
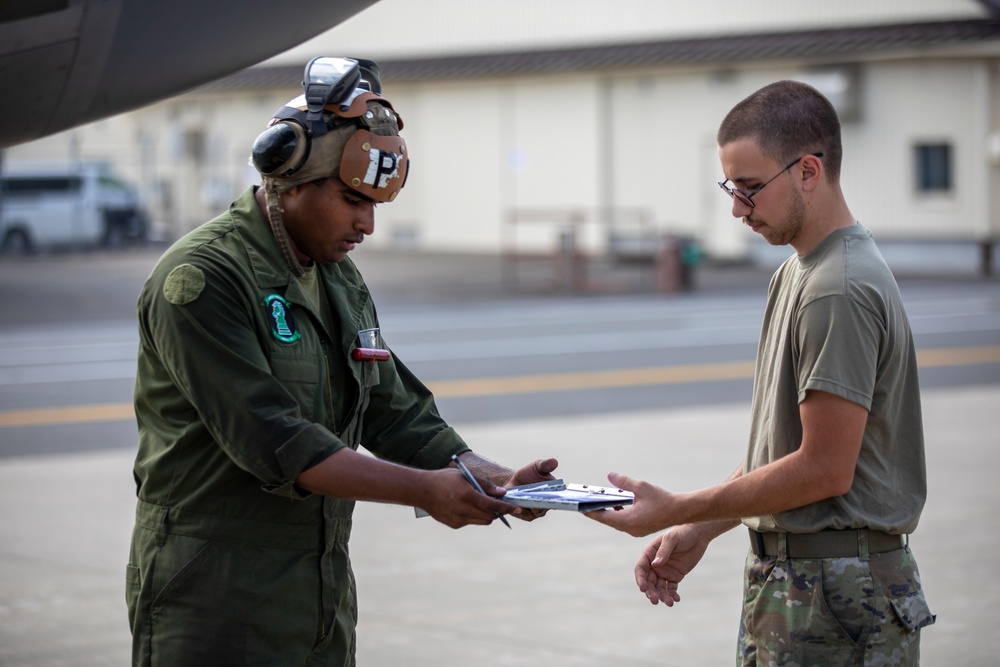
(301, 376)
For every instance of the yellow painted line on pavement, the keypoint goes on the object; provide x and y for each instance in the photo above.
(633, 377)
(75, 414)
(523, 384)
(959, 356)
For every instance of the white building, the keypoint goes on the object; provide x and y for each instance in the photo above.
(608, 111)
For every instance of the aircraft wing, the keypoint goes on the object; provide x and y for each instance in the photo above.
(64, 63)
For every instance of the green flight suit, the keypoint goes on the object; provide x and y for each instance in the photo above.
(240, 387)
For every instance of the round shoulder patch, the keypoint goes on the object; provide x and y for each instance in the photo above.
(184, 284)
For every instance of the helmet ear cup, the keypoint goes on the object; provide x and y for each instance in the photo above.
(281, 149)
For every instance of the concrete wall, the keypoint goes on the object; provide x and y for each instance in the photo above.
(647, 141)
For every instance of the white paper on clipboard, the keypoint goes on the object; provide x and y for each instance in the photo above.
(557, 495)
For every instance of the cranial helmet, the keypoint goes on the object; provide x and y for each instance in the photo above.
(340, 127)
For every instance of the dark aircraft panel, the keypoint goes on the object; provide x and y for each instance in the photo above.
(64, 63)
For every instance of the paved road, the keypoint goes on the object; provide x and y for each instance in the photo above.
(556, 592)
(67, 362)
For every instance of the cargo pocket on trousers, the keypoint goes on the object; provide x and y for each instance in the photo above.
(133, 582)
(912, 610)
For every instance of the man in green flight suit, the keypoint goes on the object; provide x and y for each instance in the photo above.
(261, 371)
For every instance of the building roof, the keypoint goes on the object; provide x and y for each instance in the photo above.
(831, 42)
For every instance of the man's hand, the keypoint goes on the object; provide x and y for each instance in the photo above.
(651, 511)
(666, 560)
(537, 471)
(450, 499)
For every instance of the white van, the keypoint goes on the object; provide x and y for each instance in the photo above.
(81, 206)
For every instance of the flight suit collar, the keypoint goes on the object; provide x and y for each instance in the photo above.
(268, 267)
(345, 288)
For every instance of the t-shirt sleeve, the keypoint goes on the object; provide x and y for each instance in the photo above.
(837, 348)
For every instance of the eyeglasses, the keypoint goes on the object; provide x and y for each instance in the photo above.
(746, 198)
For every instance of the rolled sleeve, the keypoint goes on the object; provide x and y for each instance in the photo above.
(307, 448)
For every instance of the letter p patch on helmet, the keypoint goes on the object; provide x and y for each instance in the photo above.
(374, 165)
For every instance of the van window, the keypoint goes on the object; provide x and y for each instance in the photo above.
(42, 185)
(112, 183)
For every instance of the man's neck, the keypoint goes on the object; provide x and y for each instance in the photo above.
(823, 216)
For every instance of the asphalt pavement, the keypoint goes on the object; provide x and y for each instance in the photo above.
(559, 591)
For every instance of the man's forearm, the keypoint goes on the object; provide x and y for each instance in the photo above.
(821, 467)
(354, 476)
(792, 481)
(485, 469)
(713, 528)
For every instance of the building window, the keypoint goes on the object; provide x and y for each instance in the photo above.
(934, 171)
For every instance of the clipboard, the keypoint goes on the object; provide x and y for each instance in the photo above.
(557, 495)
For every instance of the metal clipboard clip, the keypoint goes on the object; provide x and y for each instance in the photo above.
(547, 485)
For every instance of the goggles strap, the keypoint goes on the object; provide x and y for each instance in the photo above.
(278, 229)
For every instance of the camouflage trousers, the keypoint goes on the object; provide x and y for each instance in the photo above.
(832, 611)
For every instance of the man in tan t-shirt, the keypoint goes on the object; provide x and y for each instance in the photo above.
(834, 479)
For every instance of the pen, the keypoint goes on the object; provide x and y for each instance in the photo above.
(473, 482)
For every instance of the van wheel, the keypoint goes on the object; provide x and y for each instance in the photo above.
(17, 242)
(114, 236)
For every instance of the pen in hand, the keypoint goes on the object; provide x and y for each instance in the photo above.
(473, 482)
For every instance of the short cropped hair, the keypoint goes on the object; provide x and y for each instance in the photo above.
(788, 119)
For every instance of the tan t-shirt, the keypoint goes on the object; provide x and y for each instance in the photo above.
(835, 322)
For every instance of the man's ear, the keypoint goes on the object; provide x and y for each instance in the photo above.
(812, 171)
(293, 191)
(290, 199)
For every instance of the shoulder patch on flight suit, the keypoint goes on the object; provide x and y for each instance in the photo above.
(184, 284)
